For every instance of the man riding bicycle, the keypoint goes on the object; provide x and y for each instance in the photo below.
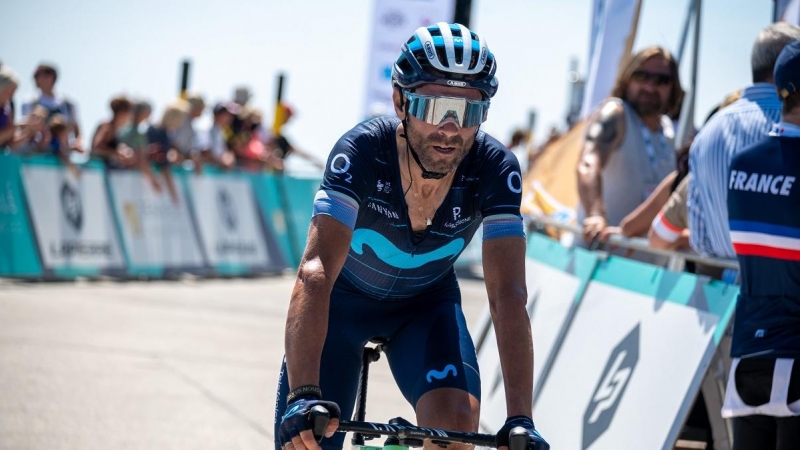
(400, 200)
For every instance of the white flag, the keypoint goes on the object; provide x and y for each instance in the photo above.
(613, 24)
(393, 22)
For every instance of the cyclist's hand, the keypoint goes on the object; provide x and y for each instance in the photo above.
(535, 441)
(296, 425)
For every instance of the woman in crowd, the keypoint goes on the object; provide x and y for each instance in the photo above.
(8, 85)
(106, 145)
(160, 148)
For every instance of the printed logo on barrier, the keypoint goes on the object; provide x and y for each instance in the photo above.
(71, 206)
(611, 387)
(227, 210)
(441, 374)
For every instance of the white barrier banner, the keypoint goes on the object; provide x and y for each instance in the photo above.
(157, 232)
(551, 296)
(226, 216)
(74, 226)
(393, 22)
(623, 372)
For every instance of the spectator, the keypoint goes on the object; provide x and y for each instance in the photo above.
(629, 142)
(58, 145)
(282, 148)
(32, 135)
(215, 148)
(45, 77)
(105, 143)
(8, 85)
(185, 137)
(669, 229)
(134, 135)
(763, 393)
(251, 153)
(518, 146)
(161, 150)
(744, 123)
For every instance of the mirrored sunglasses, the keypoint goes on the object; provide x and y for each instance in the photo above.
(435, 110)
(643, 76)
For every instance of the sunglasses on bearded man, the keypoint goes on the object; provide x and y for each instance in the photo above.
(435, 110)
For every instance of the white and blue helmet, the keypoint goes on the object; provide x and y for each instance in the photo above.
(446, 54)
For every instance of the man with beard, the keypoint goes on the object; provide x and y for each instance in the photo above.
(743, 123)
(629, 147)
(400, 200)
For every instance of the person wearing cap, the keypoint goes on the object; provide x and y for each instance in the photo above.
(45, 77)
(763, 393)
(400, 200)
(214, 142)
(743, 123)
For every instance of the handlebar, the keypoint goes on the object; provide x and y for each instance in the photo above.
(414, 436)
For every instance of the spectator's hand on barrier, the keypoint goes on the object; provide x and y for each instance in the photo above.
(592, 227)
(297, 424)
(535, 441)
(607, 232)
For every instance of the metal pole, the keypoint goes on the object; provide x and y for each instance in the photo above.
(184, 78)
(685, 31)
(463, 12)
(775, 12)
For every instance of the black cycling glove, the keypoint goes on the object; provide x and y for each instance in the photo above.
(298, 417)
(535, 441)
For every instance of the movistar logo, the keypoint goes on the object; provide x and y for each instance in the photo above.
(441, 375)
(387, 252)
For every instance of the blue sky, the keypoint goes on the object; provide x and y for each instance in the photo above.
(104, 48)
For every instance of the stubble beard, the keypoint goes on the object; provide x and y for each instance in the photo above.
(431, 160)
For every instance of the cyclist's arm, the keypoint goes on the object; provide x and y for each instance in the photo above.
(504, 274)
(307, 321)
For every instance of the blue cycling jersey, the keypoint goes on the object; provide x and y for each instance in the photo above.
(362, 188)
(763, 202)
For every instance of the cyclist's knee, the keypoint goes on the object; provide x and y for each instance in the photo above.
(448, 408)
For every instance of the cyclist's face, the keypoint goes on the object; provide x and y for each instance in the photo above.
(442, 147)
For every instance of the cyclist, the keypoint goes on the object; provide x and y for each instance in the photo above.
(400, 200)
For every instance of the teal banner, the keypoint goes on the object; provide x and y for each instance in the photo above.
(18, 254)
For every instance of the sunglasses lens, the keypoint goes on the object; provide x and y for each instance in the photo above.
(435, 110)
(659, 79)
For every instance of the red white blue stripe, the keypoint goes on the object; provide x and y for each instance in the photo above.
(766, 240)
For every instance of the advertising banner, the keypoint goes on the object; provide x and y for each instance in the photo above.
(555, 280)
(158, 234)
(74, 227)
(633, 359)
(393, 22)
(229, 227)
(18, 255)
(268, 192)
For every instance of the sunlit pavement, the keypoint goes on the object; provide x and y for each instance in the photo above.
(154, 365)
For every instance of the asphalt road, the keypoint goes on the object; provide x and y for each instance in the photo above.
(154, 365)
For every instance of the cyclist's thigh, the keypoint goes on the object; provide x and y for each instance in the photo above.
(339, 369)
(754, 432)
(434, 350)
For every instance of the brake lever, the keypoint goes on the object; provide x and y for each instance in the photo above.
(319, 417)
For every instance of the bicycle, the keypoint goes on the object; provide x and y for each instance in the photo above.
(401, 433)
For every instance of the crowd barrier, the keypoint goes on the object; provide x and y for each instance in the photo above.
(622, 349)
(55, 224)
